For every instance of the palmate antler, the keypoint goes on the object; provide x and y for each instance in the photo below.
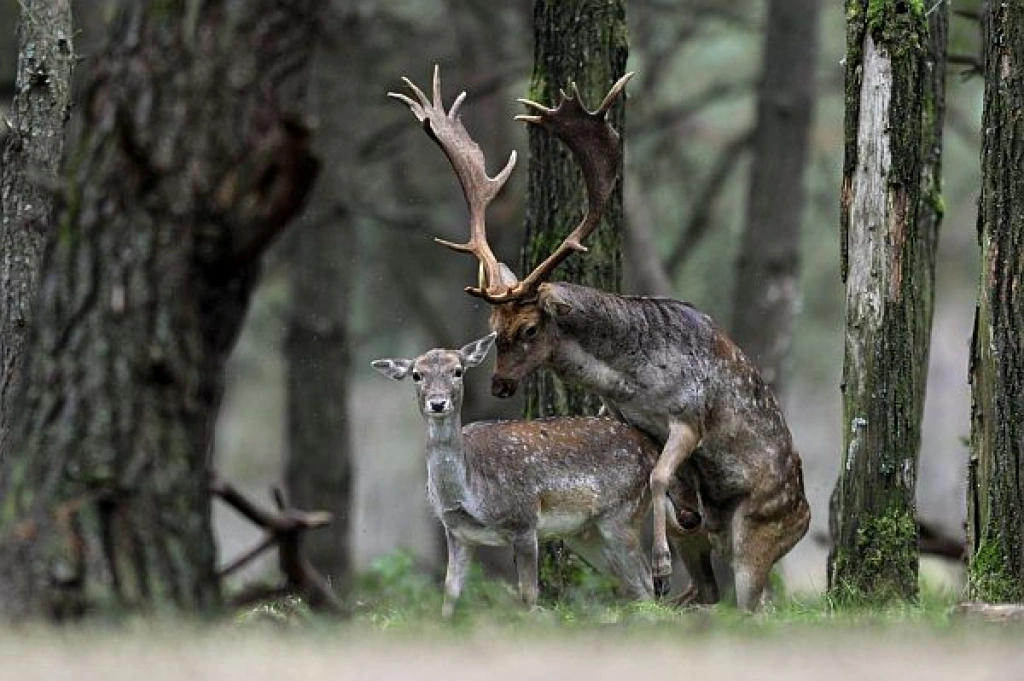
(468, 161)
(588, 134)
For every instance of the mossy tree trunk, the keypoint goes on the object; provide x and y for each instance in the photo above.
(874, 532)
(192, 157)
(995, 511)
(581, 41)
(765, 296)
(321, 256)
(31, 162)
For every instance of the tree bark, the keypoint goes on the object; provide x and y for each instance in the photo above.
(583, 41)
(930, 207)
(996, 477)
(874, 555)
(322, 256)
(765, 295)
(192, 157)
(31, 162)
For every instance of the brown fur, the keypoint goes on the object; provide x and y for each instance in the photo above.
(664, 367)
(515, 482)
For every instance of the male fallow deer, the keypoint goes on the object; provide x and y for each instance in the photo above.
(657, 363)
(512, 483)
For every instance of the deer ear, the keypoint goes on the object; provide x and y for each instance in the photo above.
(552, 302)
(393, 368)
(474, 353)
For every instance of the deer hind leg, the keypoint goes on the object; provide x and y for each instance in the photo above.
(682, 440)
(689, 539)
(459, 556)
(524, 547)
(693, 549)
(624, 555)
(757, 545)
(763, 534)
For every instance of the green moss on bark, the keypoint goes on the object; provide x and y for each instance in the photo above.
(886, 556)
(989, 577)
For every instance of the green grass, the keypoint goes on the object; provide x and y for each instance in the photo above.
(394, 595)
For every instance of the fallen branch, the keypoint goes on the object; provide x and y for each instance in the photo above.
(285, 529)
(990, 612)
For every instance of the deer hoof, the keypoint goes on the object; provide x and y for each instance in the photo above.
(662, 566)
(662, 586)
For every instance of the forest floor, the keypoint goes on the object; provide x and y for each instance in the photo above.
(395, 632)
(496, 654)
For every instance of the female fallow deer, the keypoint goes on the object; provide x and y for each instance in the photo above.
(657, 363)
(512, 483)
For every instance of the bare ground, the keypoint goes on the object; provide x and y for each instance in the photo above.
(341, 654)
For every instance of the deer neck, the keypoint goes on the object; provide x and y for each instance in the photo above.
(447, 477)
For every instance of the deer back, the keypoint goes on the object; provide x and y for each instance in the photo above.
(581, 466)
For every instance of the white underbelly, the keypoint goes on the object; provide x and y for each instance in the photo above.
(479, 536)
(561, 523)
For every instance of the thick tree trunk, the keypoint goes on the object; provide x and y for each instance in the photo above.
(874, 553)
(995, 510)
(583, 41)
(191, 159)
(31, 161)
(766, 274)
(322, 257)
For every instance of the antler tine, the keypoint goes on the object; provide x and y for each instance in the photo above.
(595, 145)
(467, 159)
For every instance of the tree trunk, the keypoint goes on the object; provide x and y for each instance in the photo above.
(767, 270)
(930, 207)
(192, 157)
(31, 161)
(874, 555)
(996, 483)
(583, 41)
(322, 255)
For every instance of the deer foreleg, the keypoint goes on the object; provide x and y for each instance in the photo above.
(459, 555)
(524, 547)
(682, 440)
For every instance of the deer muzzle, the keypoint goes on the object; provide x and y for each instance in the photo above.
(437, 406)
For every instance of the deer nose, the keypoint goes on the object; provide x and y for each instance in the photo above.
(437, 405)
(503, 387)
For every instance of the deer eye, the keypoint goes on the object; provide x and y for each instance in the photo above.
(530, 332)
(417, 376)
(458, 372)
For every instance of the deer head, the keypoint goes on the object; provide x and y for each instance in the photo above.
(524, 310)
(437, 375)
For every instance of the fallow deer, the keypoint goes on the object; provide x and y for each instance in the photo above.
(513, 483)
(657, 363)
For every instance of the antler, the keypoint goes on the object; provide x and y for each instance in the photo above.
(588, 134)
(467, 159)
(595, 144)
